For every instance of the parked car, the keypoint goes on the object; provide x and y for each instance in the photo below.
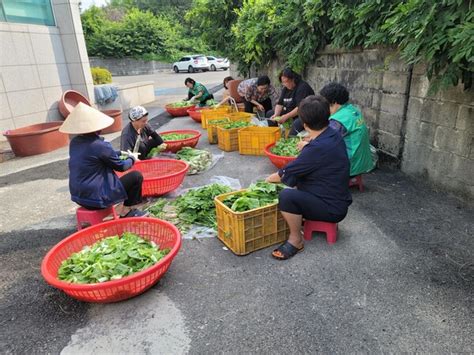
(191, 63)
(218, 63)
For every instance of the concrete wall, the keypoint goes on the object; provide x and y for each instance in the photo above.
(428, 136)
(129, 66)
(37, 63)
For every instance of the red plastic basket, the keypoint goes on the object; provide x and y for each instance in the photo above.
(160, 176)
(174, 146)
(195, 113)
(277, 160)
(161, 232)
(178, 111)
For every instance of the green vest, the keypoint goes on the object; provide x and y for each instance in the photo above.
(356, 138)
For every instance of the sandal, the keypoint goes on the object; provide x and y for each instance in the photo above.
(286, 251)
(135, 213)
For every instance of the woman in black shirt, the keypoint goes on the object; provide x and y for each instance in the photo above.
(320, 174)
(294, 91)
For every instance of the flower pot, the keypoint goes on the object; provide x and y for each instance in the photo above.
(36, 139)
(69, 100)
(117, 125)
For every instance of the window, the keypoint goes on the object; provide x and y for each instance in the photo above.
(37, 12)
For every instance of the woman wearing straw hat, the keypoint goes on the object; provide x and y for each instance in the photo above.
(92, 161)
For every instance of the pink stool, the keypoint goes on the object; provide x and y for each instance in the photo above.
(357, 181)
(316, 226)
(91, 217)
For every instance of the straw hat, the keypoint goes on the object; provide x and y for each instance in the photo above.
(85, 119)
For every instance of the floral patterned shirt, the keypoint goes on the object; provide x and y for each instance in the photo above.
(248, 90)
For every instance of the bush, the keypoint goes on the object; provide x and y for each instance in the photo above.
(101, 76)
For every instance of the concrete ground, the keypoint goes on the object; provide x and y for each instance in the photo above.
(399, 278)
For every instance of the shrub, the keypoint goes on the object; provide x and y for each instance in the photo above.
(101, 76)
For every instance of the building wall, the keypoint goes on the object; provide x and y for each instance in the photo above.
(38, 63)
(431, 137)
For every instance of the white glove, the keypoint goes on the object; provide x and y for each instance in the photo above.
(129, 154)
(192, 99)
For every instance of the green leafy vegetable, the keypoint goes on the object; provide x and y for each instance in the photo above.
(176, 136)
(198, 160)
(194, 207)
(110, 259)
(257, 195)
(236, 124)
(155, 151)
(286, 147)
(287, 124)
(180, 104)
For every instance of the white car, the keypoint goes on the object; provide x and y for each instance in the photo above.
(191, 63)
(218, 63)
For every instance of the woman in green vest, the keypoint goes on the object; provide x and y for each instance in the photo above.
(197, 92)
(348, 120)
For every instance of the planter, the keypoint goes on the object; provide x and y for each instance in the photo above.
(69, 100)
(36, 139)
(117, 125)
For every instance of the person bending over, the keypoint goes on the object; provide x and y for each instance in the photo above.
(197, 92)
(139, 127)
(257, 93)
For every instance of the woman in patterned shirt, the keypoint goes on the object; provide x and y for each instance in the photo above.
(258, 93)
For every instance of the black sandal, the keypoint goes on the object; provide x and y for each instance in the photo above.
(286, 251)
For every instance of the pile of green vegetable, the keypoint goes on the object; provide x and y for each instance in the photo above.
(236, 124)
(286, 147)
(176, 136)
(110, 259)
(198, 160)
(194, 207)
(287, 124)
(155, 151)
(217, 121)
(180, 104)
(257, 195)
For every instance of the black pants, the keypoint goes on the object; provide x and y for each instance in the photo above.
(132, 183)
(307, 205)
(271, 123)
(267, 105)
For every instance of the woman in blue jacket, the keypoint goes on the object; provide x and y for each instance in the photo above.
(320, 175)
(93, 183)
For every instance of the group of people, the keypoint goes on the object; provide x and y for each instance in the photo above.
(336, 147)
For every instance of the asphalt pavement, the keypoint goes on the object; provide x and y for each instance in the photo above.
(399, 279)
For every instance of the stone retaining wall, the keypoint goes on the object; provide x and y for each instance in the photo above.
(427, 136)
(129, 66)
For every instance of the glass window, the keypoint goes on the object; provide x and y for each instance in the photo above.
(38, 12)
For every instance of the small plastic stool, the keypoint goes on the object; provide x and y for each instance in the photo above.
(91, 217)
(357, 181)
(316, 226)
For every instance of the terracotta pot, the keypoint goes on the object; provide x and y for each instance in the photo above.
(69, 100)
(36, 139)
(117, 125)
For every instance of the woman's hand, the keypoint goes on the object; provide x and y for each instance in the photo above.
(274, 178)
(259, 107)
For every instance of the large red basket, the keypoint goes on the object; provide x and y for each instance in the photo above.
(174, 146)
(161, 232)
(277, 160)
(178, 111)
(195, 113)
(160, 176)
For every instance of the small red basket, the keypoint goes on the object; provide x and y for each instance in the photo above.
(178, 111)
(277, 160)
(174, 146)
(161, 232)
(160, 176)
(195, 113)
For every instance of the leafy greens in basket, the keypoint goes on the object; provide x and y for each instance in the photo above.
(257, 195)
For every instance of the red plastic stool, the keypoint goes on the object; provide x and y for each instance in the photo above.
(357, 181)
(316, 226)
(92, 217)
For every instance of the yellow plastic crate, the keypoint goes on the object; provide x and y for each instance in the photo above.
(212, 129)
(214, 113)
(253, 140)
(228, 139)
(245, 232)
(240, 116)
